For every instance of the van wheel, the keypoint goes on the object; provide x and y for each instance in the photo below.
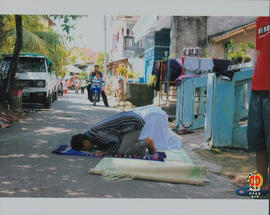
(48, 101)
(56, 95)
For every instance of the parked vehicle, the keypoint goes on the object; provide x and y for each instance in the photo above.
(71, 82)
(36, 76)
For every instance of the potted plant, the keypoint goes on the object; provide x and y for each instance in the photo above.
(240, 53)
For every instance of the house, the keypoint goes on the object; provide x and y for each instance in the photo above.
(212, 34)
(221, 30)
(124, 51)
(123, 44)
(168, 36)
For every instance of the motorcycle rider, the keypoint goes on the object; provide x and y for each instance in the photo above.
(104, 97)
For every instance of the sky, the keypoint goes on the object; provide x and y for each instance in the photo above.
(89, 32)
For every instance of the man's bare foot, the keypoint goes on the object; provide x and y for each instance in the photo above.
(150, 145)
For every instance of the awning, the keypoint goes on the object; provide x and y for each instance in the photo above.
(117, 62)
(73, 69)
(234, 32)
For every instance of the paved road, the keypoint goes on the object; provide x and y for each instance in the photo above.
(29, 169)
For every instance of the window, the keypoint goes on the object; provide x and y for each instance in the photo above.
(26, 64)
(127, 32)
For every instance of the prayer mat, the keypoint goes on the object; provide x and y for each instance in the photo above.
(177, 168)
(67, 150)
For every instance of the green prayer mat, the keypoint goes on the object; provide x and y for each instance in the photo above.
(177, 168)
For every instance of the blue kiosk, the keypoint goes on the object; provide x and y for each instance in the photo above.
(156, 51)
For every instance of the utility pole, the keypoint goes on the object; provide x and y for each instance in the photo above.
(105, 52)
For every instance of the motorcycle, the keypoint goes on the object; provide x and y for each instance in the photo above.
(95, 90)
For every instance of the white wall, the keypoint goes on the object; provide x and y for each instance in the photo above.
(137, 65)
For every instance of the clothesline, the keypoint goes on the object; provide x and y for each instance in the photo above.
(179, 58)
(168, 70)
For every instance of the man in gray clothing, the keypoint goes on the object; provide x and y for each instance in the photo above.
(117, 134)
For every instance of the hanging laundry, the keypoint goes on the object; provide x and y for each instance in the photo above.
(158, 74)
(175, 69)
(192, 65)
(220, 66)
(228, 75)
(155, 68)
(206, 65)
(221, 69)
(171, 73)
(179, 61)
(163, 71)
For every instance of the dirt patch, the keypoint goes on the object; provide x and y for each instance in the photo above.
(236, 164)
(11, 115)
(124, 106)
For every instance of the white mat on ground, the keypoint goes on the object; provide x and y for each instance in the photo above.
(156, 126)
(177, 168)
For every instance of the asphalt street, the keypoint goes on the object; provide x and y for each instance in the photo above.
(29, 169)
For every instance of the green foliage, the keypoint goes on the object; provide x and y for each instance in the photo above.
(73, 59)
(59, 58)
(122, 70)
(37, 38)
(83, 75)
(6, 43)
(130, 75)
(33, 22)
(40, 41)
(100, 61)
(239, 50)
(68, 24)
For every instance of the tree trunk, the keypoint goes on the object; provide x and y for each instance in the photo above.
(11, 81)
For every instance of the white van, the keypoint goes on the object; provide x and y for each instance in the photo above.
(36, 76)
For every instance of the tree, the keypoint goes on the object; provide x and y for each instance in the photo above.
(31, 40)
(10, 84)
(68, 24)
(37, 38)
(100, 61)
(29, 36)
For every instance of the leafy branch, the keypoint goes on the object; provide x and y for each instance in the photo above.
(239, 52)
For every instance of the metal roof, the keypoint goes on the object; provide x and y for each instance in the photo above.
(227, 34)
(36, 55)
